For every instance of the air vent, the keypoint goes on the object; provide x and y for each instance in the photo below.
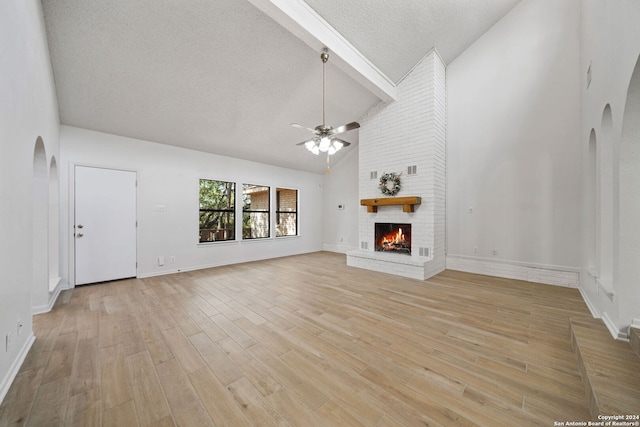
(364, 245)
(423, 251)
(411, 170)
(373, 175)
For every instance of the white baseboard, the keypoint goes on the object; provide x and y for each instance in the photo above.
(537, 273)
(217, 264)
(338, 247)
(613, 330)
(589, 304)
(53, 297)
(15, 367)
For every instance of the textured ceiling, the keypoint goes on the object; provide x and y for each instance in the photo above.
(220, 76)
(396, 34)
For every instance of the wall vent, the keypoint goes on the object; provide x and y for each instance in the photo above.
(373, 175)
(411, 170)
(423, 251)
(364, 245)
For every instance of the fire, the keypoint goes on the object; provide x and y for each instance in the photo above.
(393, 239)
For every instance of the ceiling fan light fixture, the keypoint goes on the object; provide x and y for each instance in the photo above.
(310, 144)
(337, 145)
(325, 143)
(315, 150)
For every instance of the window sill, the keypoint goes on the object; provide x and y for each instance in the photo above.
(218, 243)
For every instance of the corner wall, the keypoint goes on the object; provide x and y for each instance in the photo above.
(341, 204)
(514, 153)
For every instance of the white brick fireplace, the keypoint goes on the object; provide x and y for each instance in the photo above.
(407, 136)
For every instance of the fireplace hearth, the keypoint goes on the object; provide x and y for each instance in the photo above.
(394, 238)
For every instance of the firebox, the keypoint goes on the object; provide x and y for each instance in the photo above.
(390, 237)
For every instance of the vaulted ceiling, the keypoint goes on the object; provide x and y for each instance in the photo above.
(229, 76)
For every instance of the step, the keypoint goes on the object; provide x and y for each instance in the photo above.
(634, 340)
(610, 370)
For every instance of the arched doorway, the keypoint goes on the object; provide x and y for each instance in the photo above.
(40, 225)
(592, 202)
(606, 202)
(54, 226)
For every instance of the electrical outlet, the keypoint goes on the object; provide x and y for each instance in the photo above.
(172, 259)
(160, 261)
(495, 252)
(475, 250)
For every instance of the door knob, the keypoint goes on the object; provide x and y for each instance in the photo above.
(79, 234)
(80, 226)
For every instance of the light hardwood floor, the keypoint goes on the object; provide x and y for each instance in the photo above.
(304, 341)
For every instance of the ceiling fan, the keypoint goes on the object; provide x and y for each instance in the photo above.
(325, 139)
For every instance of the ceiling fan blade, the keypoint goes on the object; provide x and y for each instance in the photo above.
(344, 143)
(345, 128)
(296, 125)
(304, 142)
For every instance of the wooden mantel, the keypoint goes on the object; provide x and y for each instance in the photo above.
(406, 202)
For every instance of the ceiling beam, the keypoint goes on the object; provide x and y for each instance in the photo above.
(301, 20)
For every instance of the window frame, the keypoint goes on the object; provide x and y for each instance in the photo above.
(230, 210)
(259, 211)
(295, 212)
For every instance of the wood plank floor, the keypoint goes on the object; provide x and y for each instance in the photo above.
(304, 341)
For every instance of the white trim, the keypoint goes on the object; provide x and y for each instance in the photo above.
(635, 323)
(218, 264)
(531, 272)
(302, 21)
(613, 330)
(338, 247)
(53, 297)
(15, 367)
(589, 304)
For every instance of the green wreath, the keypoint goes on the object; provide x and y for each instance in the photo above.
(394, 180)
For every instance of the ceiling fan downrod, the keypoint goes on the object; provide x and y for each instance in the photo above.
(324, 56)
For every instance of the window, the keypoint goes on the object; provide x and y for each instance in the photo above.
(217, 210)
(255, 211)
(286, 212)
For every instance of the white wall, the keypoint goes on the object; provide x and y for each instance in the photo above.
(168, 176)
(514, 147)
(28, 110)
(340, 188)
(611, 48)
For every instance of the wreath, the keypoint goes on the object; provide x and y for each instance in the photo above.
(394, 180)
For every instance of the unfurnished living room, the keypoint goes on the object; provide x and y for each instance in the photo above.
(320, 213)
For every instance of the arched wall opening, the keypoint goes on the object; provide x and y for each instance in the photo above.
(606, 202)
(54, 226)
(628, 233)
(40, 225)
(592, 201)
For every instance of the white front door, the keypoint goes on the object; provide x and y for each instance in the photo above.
(105, 224)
